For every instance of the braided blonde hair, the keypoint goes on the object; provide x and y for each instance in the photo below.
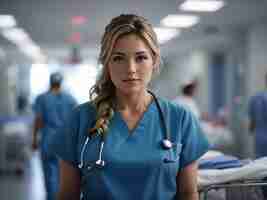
(103, 92)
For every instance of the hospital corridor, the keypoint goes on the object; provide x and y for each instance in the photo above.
(135, 100)
(27, 186)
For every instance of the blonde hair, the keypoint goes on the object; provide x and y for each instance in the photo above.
(103, 92)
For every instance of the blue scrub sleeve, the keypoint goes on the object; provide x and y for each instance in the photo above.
(64, 142)
(194, 143)
(251, 109)
(74, 102)
(37, 107)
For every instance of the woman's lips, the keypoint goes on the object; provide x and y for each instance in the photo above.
(130, 80)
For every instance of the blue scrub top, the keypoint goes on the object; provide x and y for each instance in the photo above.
(54, 109)
(135, 161)
(258, 114)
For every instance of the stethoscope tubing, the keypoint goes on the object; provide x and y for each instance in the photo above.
(166, 143)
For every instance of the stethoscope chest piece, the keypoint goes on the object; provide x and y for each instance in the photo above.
(166, 144)
(100, 163)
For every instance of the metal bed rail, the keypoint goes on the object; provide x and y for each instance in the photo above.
(230, 185)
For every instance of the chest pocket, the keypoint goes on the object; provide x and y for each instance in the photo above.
(173, 155)
(171, 161)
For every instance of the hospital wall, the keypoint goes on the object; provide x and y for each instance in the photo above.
(244, 67)
(14, 78)
(180, 69)
(7, 89)
(249, 58)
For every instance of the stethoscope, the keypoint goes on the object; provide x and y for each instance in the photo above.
(166, 143)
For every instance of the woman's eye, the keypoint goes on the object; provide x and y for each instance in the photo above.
(141, 58)
(117, 58)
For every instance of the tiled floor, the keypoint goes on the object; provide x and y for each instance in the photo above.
(28, 186)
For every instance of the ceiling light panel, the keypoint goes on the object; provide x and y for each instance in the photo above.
(202, 5)
(7, 21)
(166, 34)
(16, 35)
(179, 21)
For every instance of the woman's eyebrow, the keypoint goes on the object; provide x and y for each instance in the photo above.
(124, 54)
(140, 52)
(118, 53)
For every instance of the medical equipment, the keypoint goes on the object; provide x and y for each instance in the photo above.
(100, 163)
(15, 140)
(246, 189)
(236, 182)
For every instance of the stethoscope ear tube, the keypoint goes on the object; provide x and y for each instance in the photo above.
(166, 142)
(83, 149)
(100, 162)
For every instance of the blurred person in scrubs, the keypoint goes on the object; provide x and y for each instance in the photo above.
(188, 90)
(51, 110)
(257, 111)
(126, 142)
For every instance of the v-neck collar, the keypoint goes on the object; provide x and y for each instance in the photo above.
(140, 123)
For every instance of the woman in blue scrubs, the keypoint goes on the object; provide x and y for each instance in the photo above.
(126, 143)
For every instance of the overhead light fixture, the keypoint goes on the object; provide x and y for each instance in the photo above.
(202, 5)
(179, 21)
(7, 21)
(34, 52)
(166, 34)
(31, 49)
(16, 35)
(23, 41)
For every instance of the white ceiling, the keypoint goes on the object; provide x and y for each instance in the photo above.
(48, 22)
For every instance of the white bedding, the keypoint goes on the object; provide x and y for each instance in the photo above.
(256, 169)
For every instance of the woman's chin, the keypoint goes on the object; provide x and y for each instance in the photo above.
(132, 90)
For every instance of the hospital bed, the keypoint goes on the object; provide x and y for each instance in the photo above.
(236, 190)
(238, 183)
(15, 140)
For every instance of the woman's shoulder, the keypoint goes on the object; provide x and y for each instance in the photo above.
(86, 109)
(85, 106)
(172, 106)
(176, 112)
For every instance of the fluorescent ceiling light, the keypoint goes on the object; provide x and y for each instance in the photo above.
(31, 50)
(166, 34)
(16, 35)
(180, 21)
(7, 21)
(202, 5)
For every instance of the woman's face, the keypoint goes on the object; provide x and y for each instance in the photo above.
(131, 64)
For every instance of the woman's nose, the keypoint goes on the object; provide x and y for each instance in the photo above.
(131, 66)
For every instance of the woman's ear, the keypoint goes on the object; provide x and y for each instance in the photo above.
(155, 68)
(156, 63)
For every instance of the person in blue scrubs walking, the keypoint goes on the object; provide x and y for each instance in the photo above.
(51, 109)
(127, 143)
(257, 111)
(258, 120)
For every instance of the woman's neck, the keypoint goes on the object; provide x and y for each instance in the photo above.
(133, 103)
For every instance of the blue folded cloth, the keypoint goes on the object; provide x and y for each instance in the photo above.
(6, 119)
(220, 162)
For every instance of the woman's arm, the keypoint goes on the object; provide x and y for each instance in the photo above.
(187, 182)
(37, 125)
(70, 182)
